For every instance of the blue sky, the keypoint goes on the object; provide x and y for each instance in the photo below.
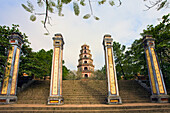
(124, 23)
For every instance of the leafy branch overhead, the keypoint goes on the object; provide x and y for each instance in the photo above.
(159, 4)
(53, 6)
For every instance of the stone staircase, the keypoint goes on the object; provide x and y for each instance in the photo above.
(85, 96)
(36, 93)
(84, 92)
(132, 92)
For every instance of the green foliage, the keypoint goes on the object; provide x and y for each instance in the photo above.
(118, 52)
(76, 8)
(99, 75)
(30, 5)
(32, 17)
(66, 1)
(26, 8)
(65, 72)
(111, 2)
(82, 2)
(103, 70)
(96, 18)
(159, 4)
(135, 59)
(86, 16)
(71, 76)
(40, 3)
(162, 4)
(59, 7)
(78, 75)
(52, 4)
(36, 63)
(46, 33)
(50, 9)
(101, 2)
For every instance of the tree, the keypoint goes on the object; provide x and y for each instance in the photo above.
(36, 63)
(103, 70)
(5, 32)
(118, 52)
(65, 72)
(161, 34)
(99, 75)
(45, 61)
(135, 58)
(70, 76)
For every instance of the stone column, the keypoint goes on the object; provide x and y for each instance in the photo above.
(9, 85)
(113, 93)
(55, 97)
(159, 93)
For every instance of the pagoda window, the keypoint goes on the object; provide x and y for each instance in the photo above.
(85, 61)
(57, 42)
(12, 41)
(85, 68)
(85, 56)
(84, 51)
(84, 47)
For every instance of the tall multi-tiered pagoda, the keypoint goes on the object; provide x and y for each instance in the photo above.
(85, 65)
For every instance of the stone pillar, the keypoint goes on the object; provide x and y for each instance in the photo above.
(9, 85)
(55, 97)
(159, 93)
(113, 93)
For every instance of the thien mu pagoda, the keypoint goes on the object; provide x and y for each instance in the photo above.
(85, 65)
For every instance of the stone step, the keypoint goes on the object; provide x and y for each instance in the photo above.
(84, 98)
(72, 90)
(84, 107)
(90, 96)
(149, 110)
(32, 102)
(128, 108)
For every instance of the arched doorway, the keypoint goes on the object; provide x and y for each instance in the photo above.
(86, 75)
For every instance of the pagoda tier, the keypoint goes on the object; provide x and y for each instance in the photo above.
(85, 65)
(85, 59)
(85, 55)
